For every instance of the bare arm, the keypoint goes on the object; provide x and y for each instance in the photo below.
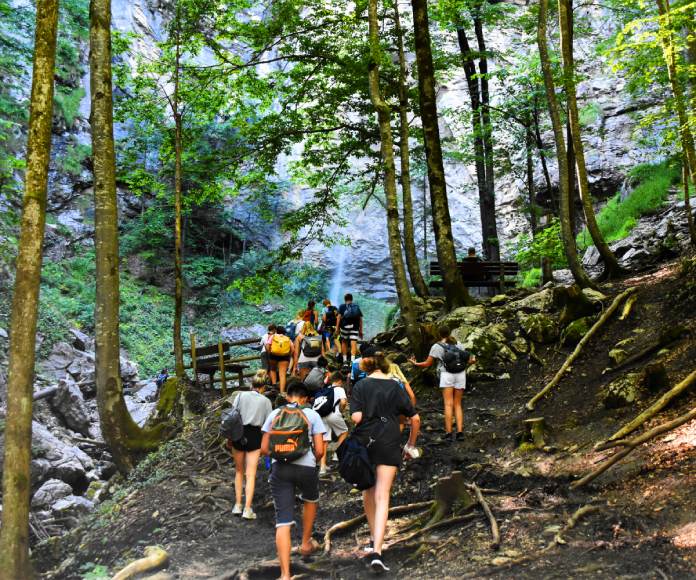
(266, 444)
(318, 441)
(361, 327)
(410, 393)
(357, 417)
(415, 430)
(428, 362)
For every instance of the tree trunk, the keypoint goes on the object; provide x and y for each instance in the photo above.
(178, 257)
(14, 537)
(528, 143)
(490, 240)
(414, 272)
(456, 293)
(408, 312)
(680, 105)
(120, 432)
(554, 112)
(691, 54)
(687, 202)
(542, 156)
(565, 19)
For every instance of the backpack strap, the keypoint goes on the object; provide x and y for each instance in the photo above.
(381, 426)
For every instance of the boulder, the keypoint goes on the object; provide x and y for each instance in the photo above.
(139, 410)
(499, 299)
(49, 493)
(466, 315)
(592, 257)
(519, 345)
(61, 357)
(71, 509)
(540, 328)
(621, 391)
(489, 346)
(573, 333)
(81, 341)
(82, 368)
(129, 370)
(59, 460)
(594, 295)
(538, 302)
(69, 405)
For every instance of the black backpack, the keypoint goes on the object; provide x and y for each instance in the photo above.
(454, 359)
(352, 312)
(311, 346)
(324, 401)
(331, 317)
(354, 464)
(231, 425)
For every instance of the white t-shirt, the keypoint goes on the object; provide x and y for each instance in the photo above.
(316, 427)
(339, 395)
(437, 351)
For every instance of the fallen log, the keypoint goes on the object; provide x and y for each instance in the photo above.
(630, 444)
(45, 393)
(495, 532)
(650, 412)
(578, 349)
(154, 559)
(347, 524)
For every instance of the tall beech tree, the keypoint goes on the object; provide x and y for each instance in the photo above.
(455, 290)
(565, 21)
(124, 437)
(383, 110)
(414, 271)
(565, 200)
(16, 481)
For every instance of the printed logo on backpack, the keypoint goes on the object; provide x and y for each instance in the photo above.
(289, 434)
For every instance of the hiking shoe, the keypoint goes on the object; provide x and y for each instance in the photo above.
(448, 438)
(369, 548)
(323, 471)
(248, 514)
(460, 436)
(377, 564)
(237, 509)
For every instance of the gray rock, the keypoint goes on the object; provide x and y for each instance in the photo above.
(145, 391)
(466, 315)
(539, 327)
(242, 332)
(622, 391)
(61, 357)
(592, 257)
(57, 459)
(538, 302)
(81, 341)
(3, 334)
(139, 410)
(563, 276)
(69, 405)
(129, 370)
(489, 346)
(50, 492)
(71, 509)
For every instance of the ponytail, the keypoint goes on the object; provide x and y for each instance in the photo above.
(375, 362)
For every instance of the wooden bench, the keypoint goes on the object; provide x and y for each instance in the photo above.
(481, 274)
(209, 360)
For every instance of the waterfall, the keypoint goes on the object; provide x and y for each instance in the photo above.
(337, 276)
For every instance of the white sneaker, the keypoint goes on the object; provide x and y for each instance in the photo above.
(248, 514)
(323, 471)
(334, 457)
(237, 509)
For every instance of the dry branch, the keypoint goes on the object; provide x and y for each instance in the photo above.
(578, 349)
(630, 444)
(430, 528)
(495, 532)
(347, 524)
(155, 558)
(650, 412)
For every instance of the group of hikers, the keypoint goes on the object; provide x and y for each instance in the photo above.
(311, 404)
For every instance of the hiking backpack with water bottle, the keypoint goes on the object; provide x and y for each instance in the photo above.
(311, 346)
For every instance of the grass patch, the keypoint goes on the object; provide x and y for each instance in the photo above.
(530, 278)
(619, 217)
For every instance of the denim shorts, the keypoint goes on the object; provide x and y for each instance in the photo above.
(285, 477)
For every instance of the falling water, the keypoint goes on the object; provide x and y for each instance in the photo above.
(337, 277)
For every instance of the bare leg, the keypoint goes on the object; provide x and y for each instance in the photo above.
(273, 371)
(309, 512)
(252, 463)
(283, 374)
(369, 504)
(458, 411)
(283, 545)
(447, 397)
(382, 490)
(354, 348)
(303, 373)
(238, 475)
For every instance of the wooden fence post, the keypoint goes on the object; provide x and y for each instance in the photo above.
(193, 359)
(221, 362)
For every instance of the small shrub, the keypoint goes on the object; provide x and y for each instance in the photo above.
(75, 155)
(67, 103)
(546, 243)
(531, 278)
(589, 114)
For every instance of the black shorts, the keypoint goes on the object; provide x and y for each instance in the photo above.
(285, 477)
(251, 440)
(278, 358)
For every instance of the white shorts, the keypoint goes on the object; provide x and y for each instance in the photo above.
(456, 380)
(334, 423)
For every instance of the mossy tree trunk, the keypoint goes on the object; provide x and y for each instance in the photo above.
(456, 293)
(14, 538)
(531, 193)
(569, 246)
(387, 148)
(565, 20)
(414, 271)
(687, 202)
(120, 432)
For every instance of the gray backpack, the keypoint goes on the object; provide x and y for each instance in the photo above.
(231, 425)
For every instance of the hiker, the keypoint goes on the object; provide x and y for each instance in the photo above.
(316, 379)
(357, 373)
(471, 256)
(329, 318)
(254, 408)
(396, 374)
(281, 354)
(350, 325)
(329, 403)
(264, 341)
(375, 405)
(294, 438)
(308, 349)
(299, 323)
(452, 361)
(310, 314)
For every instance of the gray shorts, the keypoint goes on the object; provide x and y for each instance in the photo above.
(285, 477)
(308, 364)
(334, 423)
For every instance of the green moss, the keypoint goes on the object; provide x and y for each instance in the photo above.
(590, 114)
(67, 103)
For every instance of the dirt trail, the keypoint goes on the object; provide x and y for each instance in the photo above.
(644, 525)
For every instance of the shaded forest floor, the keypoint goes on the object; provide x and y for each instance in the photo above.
(644, 524)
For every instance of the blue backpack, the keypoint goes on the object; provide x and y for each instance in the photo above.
(354, 464)
(290, 330)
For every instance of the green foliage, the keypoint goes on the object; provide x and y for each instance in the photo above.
(619, 217)
(73, 158)
(546, 243)
(92, 571)
(67, 102)
(531, 278)
(590, 114)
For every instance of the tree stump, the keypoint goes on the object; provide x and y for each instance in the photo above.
(533, 432)
(575, 304)
(655, 377)
(450, 491)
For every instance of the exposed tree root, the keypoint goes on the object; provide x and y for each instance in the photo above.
(450, 490)
(430, 528)
(650, 412)
(667, 337)
(630, 444)
(628, 307)
(495, 532)
(154, 559)
(578, 349)
(348, 524)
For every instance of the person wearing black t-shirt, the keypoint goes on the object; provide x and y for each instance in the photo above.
(375, 405)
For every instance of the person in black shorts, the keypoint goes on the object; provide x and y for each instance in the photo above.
(350, 325)
(376, 404)
(254, 408)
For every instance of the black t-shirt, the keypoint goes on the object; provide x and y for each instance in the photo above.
(378, 398)
(353, 322)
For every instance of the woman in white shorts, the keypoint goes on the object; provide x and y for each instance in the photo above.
(452, 384)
